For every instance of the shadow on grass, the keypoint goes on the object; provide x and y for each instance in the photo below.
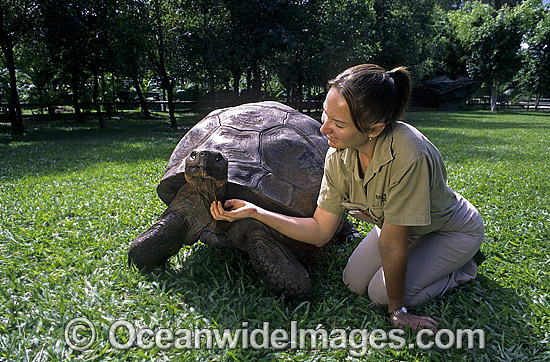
(221, 284)
(461, 148)
(212, 279)
(480, 120)
(63, 144)
(59, 145)
(460, 139)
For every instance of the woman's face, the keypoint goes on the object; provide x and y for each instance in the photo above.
(337, 123)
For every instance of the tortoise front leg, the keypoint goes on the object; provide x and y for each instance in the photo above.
(180, 224)
(277, 265)
(158, 243)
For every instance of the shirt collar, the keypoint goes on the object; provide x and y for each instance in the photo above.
(383, 154)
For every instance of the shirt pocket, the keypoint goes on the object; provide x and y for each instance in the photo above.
(373, 215)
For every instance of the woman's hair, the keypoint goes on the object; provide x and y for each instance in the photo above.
(374, 95)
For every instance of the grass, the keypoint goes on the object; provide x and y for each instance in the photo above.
(73, 197)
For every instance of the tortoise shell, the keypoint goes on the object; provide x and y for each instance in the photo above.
(275, 156)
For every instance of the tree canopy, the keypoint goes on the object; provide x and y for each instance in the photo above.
(91, 52)
(492, 39)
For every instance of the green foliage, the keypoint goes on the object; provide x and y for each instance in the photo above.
(74, 196)
(16, 20)
(324, 38)
(290, 48)
(346, 36)
(535, 75)
(493, 40)
(405, 30)
(448, 54)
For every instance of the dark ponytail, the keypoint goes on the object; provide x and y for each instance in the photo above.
(403, 84)
(374, 95)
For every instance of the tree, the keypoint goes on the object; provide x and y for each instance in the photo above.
(405, 31)
(493, 41)
(48, 83)
(457, 4)
(164, 18)
(212, 45)
(297, 62)
(345, 36)
(238, 37)
(447, 54)
(100, 28)
(131, 34)
(535, 74)
(65, 26)
(15, 21)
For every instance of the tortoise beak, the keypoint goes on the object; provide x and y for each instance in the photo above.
(206, 164)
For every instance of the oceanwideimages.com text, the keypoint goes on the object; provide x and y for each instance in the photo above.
(80, 335)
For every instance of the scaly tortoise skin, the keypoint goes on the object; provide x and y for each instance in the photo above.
(266, 153)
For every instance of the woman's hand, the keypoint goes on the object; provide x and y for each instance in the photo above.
(238, 209)
(402, 320)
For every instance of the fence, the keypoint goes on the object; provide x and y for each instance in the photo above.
(306, 106)
(506, 105)
(38, 109)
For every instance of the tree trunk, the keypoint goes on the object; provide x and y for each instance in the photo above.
(236, 72)
(113, 109)
(104, 85)
(168, 84)
(171, 110)
(299, 100)
(248, 79)
(143, 104)
(291, 97)
(76, 95)
(537, 101)
(299, 92)
(494, 98)
(256, 84)
(95, 97)
(15, 113)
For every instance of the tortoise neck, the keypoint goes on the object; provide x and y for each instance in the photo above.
(208, 188)
(192, 205)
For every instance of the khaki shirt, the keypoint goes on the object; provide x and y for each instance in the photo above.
(404, 184)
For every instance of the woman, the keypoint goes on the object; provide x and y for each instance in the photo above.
(385, 172)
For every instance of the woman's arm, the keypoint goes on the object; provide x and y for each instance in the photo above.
(393, 246)
(316, 230)
(393, 253)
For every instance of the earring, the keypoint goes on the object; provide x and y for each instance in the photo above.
(370, 138)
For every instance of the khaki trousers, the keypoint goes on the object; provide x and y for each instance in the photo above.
(436, 262)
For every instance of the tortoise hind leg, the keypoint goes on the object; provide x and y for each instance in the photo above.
(280, 270)
(346, 232)
(277, 265)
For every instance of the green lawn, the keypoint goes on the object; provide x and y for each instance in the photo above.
(73, 197)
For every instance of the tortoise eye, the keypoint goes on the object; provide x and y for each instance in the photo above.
(218, 158)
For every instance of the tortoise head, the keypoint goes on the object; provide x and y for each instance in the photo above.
(206, 167)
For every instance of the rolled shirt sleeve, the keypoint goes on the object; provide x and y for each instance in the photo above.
(331, 194)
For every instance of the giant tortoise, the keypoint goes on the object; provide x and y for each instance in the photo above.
(266, 153)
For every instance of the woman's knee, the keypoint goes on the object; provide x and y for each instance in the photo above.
(363, 263)
(355, 284)
(377, 289)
